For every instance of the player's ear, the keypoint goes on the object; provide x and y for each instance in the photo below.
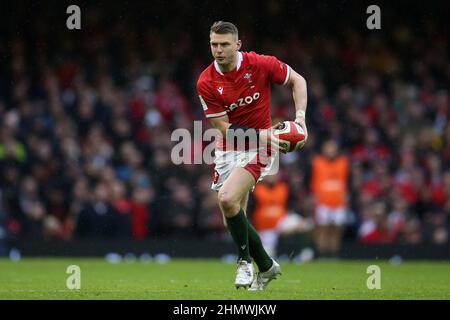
(239, 44)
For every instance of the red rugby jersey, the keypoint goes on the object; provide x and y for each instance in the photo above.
(243, 93)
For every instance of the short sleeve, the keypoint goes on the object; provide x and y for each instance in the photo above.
(278, 71)
(211, 106)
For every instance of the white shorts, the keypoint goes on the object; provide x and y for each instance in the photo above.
(326, 215)
(226, 161)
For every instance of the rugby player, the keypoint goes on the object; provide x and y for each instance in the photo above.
(235, 92)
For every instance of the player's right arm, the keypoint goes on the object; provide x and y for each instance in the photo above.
(221, 124)
(266, 136)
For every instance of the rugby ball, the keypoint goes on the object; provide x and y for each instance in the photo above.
(291, 135)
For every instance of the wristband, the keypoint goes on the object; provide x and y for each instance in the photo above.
(300, 114)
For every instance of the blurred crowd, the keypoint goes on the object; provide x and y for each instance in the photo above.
(86, 119)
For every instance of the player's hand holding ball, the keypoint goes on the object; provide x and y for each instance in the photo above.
(268, 137)
(290, 136)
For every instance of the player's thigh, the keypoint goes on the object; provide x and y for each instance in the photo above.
(236, 187)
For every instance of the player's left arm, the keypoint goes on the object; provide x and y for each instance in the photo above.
(300, 95)
(281, 73)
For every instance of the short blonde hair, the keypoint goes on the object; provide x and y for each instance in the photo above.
(223, 27)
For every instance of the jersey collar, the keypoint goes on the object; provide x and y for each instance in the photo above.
(238, 64)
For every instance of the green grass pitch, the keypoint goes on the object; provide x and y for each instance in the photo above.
(191, 279)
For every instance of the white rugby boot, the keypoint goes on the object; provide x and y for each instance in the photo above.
(245, 274)
(262, 279)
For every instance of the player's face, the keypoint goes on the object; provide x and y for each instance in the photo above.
(224, 48)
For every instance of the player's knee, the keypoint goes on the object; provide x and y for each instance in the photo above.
(229, 204)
